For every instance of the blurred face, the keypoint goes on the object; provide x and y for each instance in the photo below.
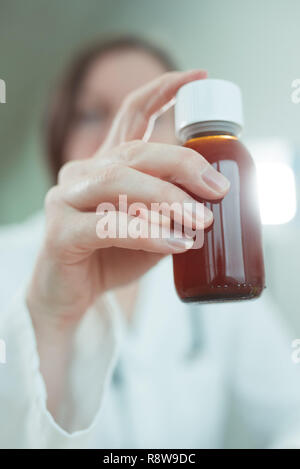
(107, 82)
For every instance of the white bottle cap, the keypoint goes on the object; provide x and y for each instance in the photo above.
(217, 104)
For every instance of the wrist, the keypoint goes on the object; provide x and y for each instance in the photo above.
(47, 321)
(52, 306)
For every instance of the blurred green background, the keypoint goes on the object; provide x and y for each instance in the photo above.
(253, 43)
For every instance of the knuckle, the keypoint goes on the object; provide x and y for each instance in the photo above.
(68, 170)
(192, 160)
(110, 173)
(65, 171)
(52, 197)
(179, 168)
(131, 150)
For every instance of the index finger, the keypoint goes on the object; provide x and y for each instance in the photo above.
(133, 116)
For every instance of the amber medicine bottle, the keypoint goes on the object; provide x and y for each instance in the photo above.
(229, 266)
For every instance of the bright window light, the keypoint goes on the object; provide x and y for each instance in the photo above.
(276, 180)
(277, 192)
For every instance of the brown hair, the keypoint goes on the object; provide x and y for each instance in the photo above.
(60, 111)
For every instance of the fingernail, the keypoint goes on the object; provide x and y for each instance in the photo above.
(180, 244)
(197, 70)
(215, 180)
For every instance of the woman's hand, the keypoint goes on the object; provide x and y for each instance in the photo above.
(75, 265)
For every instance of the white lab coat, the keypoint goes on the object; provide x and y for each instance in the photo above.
(180, 376)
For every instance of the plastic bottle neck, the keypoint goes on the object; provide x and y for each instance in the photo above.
(209, 128)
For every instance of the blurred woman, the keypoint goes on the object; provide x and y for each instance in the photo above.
(100, 351)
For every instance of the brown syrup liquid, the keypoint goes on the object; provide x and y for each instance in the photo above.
(230, 264)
